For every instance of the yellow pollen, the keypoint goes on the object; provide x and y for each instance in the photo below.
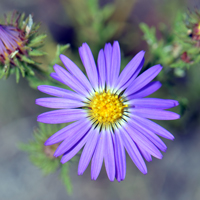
(106, 107)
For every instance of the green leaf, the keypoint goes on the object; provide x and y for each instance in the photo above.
(149, 33)
(64, 175)
(20, 66)
(21, 20)
(28, 69)
(37, 53)
(61, 48)
(26, 59)
(107, 11)
(17, 73)
(37, 40)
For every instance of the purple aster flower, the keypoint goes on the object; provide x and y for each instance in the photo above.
(109, 112)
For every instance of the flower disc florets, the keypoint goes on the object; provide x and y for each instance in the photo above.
(106, 107)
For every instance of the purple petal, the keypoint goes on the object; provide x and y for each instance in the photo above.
(54, 102)
(56, 77)
(2, 48)
(120, 157)
(108, 58)
(143, 142)
(153, 103)
(131, 70)
(65, 132)
(133, 77)
(75, 71)
(145, 154)
(60, 92)
(150, 88)
(97, 159)
(154, 113)
(89, 64)
(70, 80)
(117, 169)
(109, 158)
(159, 130)
(101, 69)
(69, 142)
(61, 116)
(115, 64)
(88, 151)
(149, 135)
(133, 151)
(76, 148)
(143, 79)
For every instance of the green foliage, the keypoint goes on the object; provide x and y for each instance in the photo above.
(161, 50)
(59, 50)
(44, 78)
(37, 40)
(64, 175)
(149, 34)
(176, 49)
(91, 23)
(42, 156)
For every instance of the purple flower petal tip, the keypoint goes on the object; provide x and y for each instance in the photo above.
(176, 103)
(56, 154)
(84, 46)
(164, 150)
(56, 67)
(52, 74)
(80, 173)
(62, 57)
(62, 161)
(46, 143)
(176, 116)
(36, 101)
(172, 138)
(160, 157)
(39, 118)
(159, 66)
(142, 52)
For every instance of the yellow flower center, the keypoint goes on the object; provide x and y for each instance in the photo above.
(106, 107)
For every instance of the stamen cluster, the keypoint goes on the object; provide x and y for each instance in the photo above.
(106, 107)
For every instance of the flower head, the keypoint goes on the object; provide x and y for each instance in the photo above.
(196, 32)
(109, 112)
(18, 43)
(192, 23)
(42, 156)
(11, 41)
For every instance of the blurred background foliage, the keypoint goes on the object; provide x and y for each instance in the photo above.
(169, 32)
(42, 156)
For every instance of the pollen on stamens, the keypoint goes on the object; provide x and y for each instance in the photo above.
(106, 107)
